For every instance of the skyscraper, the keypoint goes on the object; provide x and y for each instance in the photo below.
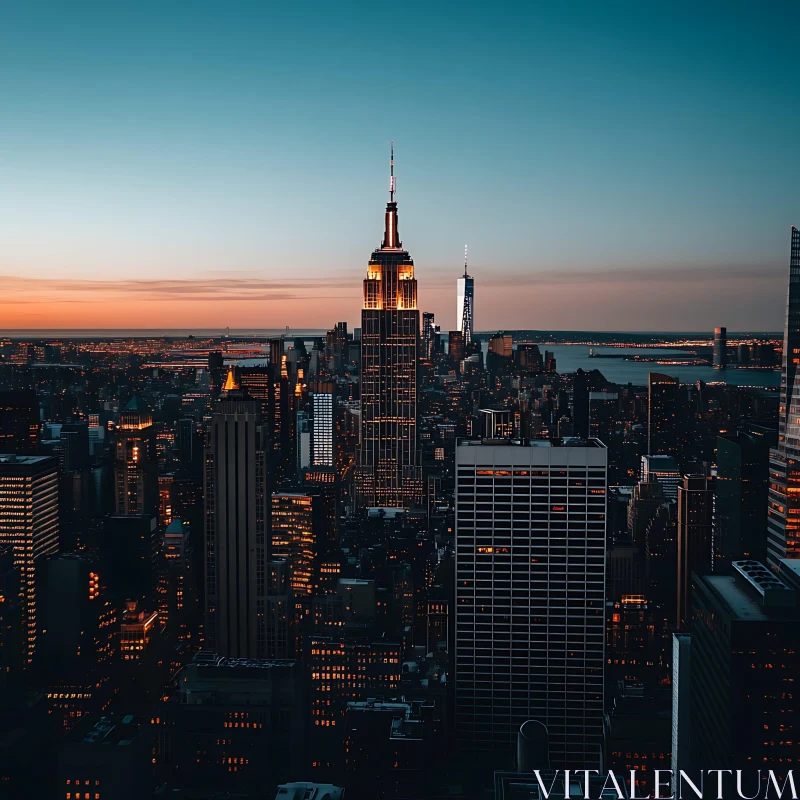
(29, 523)
(720, 348)
(19, 423)
(783, 513)
(236, 511)
(136, 465)
(662, 414)
(322, 431)
(745, 658)
(388, 472)
(530, 569)
(465, 304)
(428, 334)
(695, 537)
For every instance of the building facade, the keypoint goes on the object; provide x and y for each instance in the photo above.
(236, 515)
(530, 572)
(29, 524)
(783, 512)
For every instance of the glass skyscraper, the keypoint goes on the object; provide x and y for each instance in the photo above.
(465, 304)
(388, 470)
(783, 512)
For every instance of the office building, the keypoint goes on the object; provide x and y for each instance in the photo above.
(323, 453)
(269, 387)
(130, 548)
(742, 488)
(388, 473)
(529, 613)
(745, 656)
(236, 517)
(136, 461)
(297, 536)
(501, 344)
(681, 701)
(465, 305)
(783, 513)
(455, 346)
(695, 537)
(106, 757)
(665, 470)
(720, 348)
(29, 523)
(428, 335)
(75, 618)
(235, 724)
(74, 447)
(495, 423)
(19, 423)
(663, 404)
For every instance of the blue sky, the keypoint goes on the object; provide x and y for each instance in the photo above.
(611, 165)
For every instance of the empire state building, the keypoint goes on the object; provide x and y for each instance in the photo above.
(388, 472)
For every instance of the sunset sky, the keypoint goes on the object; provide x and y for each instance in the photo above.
(612, 166)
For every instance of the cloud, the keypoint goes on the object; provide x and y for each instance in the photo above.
(18, 290)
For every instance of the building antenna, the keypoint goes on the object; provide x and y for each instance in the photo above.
(465, 262)
(392, 184)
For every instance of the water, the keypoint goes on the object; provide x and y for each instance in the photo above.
(570, 357)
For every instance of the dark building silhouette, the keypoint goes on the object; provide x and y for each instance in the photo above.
(388, 473)
(130, 548)
(720, 348)
(742, 488)
(107, 756)
(695, 537)
(236, 517)
(663, 406)
(235, 725)
(745, 659)
(19, 423)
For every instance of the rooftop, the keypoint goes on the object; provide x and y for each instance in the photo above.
(565, 441)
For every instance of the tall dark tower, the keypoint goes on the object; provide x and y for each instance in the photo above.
(388, 472)
(783, 522)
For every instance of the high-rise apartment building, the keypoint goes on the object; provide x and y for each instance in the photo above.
(236, 515)
(783, 512)
(388, 472)
(662, 414)
(136, 464)
(465, 304)
(529, 612)
(29, 523)
(695, 537)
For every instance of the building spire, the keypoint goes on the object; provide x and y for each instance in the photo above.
(390, 238)
(391, 175)
(465, 262)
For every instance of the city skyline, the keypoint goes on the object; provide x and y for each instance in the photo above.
(635, 174)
